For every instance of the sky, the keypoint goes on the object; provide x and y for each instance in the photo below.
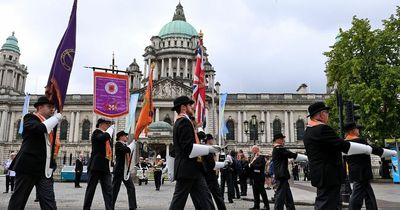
(255, 46)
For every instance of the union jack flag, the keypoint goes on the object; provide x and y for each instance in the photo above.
(199, 87)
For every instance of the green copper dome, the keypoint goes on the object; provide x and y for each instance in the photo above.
(160, 126)
(11, 44)
(177, 28)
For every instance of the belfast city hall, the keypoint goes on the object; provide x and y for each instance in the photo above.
(251, 118)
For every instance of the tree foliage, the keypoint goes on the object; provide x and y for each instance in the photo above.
(364, 65)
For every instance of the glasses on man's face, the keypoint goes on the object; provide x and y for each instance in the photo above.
(326, 111)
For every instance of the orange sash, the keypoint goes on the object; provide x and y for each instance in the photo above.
(313, 123)
(108, 149)
(194, 128)
(351, 137)
(51, 138)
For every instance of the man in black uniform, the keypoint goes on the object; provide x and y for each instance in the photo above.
(360, 170)
(280, 156)
(122, 155)
(78, 170)
(211, 176)
(324, 150)
(99, 166)
(188, 168)
(29, 164)
(257, 170)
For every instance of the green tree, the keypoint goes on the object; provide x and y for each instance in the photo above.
(364, 65)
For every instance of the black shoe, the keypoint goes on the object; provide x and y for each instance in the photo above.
(238, 197)
(78, 186)
(254, 208)
(230, 200)
(36, 200)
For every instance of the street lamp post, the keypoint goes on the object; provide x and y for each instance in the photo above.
(250, 130)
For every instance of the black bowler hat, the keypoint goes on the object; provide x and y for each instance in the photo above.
(279, 136)
(102, 120)
(350, 126)
(316, 107)
(121, 133)
(208, 137)
(181, 100)
(42, 100)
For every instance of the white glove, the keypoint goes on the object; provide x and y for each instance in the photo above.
(52, 122)
(388, 153)
(356, 148)
(214, 149)
(170, 167)
(220, 164)
(301, 157)
(110, 130)
(132, 146)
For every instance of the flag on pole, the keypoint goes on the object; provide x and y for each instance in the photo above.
(132, 111)
(146, 114)
(199, 87)
(57, 84)
(25, 110)
(222, 124)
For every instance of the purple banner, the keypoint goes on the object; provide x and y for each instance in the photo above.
(110, 97)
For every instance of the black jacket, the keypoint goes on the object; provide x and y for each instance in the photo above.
(360, 165)
(280, 157)
(209, 165)
(324, 150)
(78, 166)
(98, 160)
(120, 153)
(183, 136)
(257, 169)
(31, 158)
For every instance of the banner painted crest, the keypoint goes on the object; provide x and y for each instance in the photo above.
(111, 95)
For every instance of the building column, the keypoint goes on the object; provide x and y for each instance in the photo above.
(1, 77)
(157, 114)
(286, 124)
(162, 68)
(145, 69)
(292, 127)
(71, 127)
(170, 67)
(11, 130)
(245, 137)
(268, 126)
(178, 67)
(239, 127)
(3, 125)
(167, 151)
(77, 127)
(185, 72)
(23, 84)
(193, 67)
(263, 137)
(149, 68)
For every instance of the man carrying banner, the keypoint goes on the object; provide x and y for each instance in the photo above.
(122, 153)
(31, 159)
(99, 167)
(188, 169)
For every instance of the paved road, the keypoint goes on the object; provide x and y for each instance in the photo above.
(69, 197)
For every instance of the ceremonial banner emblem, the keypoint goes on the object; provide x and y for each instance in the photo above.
(110, 97)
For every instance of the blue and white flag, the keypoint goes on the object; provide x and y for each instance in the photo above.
(25, 110)
(222, 124)
(132, 111)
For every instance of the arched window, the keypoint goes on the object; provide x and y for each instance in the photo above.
(253, 128)
(230, 124)
(276, 126)
(85, 129)
(18, 136)
(63, 129)
(300, 129)
(167, 119)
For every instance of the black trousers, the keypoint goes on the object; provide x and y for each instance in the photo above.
(235, 184)
(328, 198)
(243, 184)
(157, 178)
(198, 190)
(361, 191)
(213, 186)
(77, 178)
(226, 177)
(130, 188)
(23, 187)
(283, 195)
(9, 181)
(106, 188)
(258, 189)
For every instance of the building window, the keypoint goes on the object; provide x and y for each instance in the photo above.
(300, 129)
(18, 136)
(253, 128)
(230, 124)
(63, 129)
(85, 129)
(167, 119)
(10, 57)
(175, 43)
(169, 43)
(276, 126)
(182, 43)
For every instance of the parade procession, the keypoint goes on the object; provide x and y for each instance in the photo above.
(169, 135)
